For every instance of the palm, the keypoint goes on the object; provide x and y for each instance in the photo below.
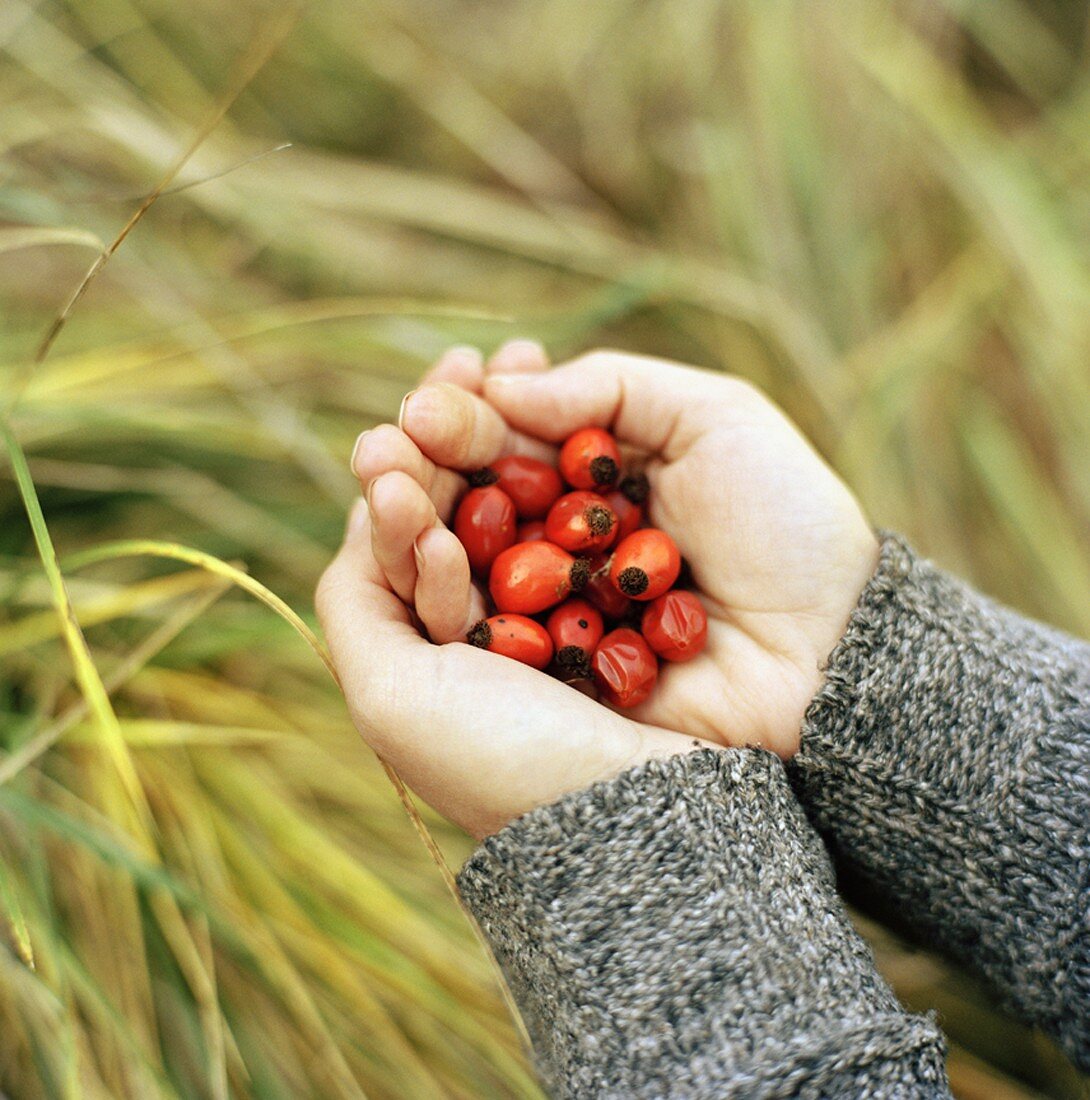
(779, 550)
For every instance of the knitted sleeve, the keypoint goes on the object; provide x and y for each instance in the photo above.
(676, 932)
(947, 762)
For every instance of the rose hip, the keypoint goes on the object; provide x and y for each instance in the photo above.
(513, 636)
(532, 576)
(629, 515)
(580, 522)
(624, 667)
(590, 459)
(645, 564)
(485, 525)
(531, 484)
(576, 628)
(531, 531)
(676, 625)
(600, 591)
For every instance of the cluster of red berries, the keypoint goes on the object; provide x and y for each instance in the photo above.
(538, 535)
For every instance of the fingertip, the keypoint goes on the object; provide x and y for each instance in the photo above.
(520, 356)
(461, 365)
(446, 599)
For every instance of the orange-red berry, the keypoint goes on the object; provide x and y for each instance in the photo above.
(531, 484)
(513, 636)
(645, 564)
(485, 523)
(629, 514)
(676, 625)
(581, 522)
(531, 531)
(600, 591)
(590, 459)
(625, 669)
(576, 628)
(532, 576)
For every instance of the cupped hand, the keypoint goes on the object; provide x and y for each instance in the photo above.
(777, 544)
(482, 738)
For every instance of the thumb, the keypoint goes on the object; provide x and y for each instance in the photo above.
(652, 404)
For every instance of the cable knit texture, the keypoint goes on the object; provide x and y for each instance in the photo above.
(675, 932)
(947, 762)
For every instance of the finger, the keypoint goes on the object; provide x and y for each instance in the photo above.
(446, 599)
(460, 366)
(460, 430)
(387, 448)
(652, 404)
(354, 602)
(400, 510)
(518, 357)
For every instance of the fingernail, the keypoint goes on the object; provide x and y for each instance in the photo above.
(401, 411)
(356, 449)
(367, 491)
(357, 516)
(417, 554)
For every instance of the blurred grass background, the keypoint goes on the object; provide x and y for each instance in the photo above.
(880, 212)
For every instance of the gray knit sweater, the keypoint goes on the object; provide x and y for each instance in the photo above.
(676, 931)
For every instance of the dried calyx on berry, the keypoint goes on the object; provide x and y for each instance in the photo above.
(574, 662)
(632, 581)
(580, 574)
(604, 471)
(478, 479)
(635, 487)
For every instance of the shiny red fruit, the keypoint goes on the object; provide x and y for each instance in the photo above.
(645, 564)
(576, 628)
(581, 522)
(590, 459)
(629, 515)
(531, 484)
(625, 669)
(513, 636)
(532, 530)
(600, 591)
(676, 625)
(532, 576)
(485, 525)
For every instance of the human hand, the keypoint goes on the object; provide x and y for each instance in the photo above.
(778, 547)
(480, 737)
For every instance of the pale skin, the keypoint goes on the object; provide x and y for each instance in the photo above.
(778, 546)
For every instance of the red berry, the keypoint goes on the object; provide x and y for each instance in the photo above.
(590, 459)
(513, 636)
(580, 522)
(531, 531)
(576, 628)
(676, 625)
(645, 564)
(629, 515)
(485, 525)
(531, 484)
(624, 667)
(532, 576)
(600, 591)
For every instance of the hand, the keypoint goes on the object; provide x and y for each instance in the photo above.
(778, 547)
(481, 738)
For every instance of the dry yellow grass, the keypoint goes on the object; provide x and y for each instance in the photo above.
(879, 212)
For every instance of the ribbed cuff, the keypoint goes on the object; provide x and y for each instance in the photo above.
(675, 931)
(946, 760)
